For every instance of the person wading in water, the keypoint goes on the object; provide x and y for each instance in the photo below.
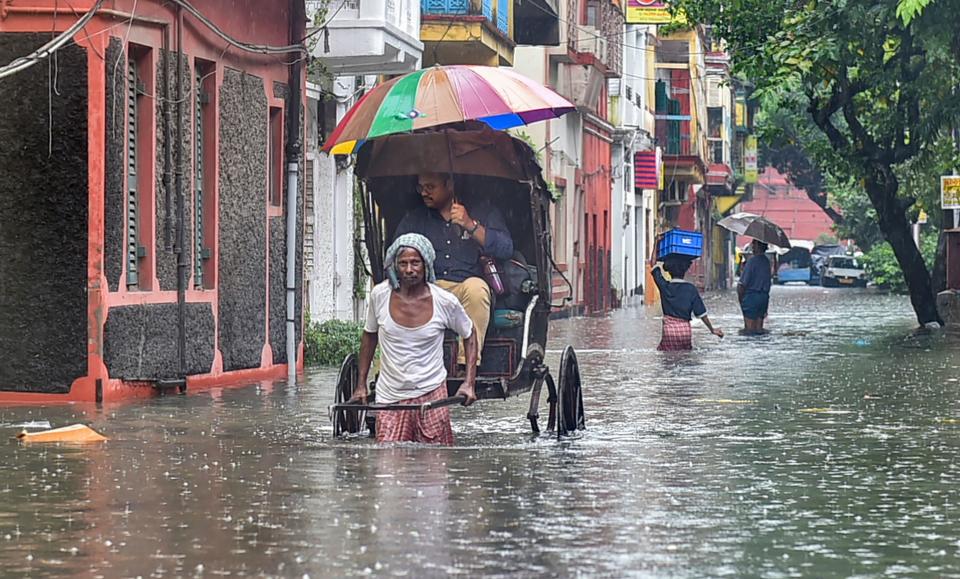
(407, 317)
(680, 301)
(753, 289)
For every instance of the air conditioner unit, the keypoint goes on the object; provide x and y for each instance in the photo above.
(586, 38)
(581, 84)
(613, 88)
(589, 40)
(713, 92)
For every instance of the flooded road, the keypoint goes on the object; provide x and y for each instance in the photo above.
(830, 447)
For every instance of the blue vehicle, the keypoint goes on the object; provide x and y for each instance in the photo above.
(795, 265)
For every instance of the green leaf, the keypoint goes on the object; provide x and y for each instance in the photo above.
(908, 10)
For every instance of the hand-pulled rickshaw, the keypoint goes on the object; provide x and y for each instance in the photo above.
(503, 171)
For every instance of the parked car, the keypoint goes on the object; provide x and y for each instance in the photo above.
(819, 255)
(794, 265)
(843, 270)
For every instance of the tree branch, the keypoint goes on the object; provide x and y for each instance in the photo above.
(822, 117)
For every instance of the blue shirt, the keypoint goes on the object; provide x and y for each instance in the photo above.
(678, 298)
(756, 274)
(458, 258)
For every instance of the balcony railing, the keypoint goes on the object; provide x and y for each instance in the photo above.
(677, 145)
(496, 11)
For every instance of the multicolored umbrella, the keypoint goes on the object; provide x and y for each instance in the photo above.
(499, 97)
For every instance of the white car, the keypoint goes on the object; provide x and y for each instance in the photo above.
(843, 270)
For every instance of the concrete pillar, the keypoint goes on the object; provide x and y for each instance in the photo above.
(953, 259)
(948, 305)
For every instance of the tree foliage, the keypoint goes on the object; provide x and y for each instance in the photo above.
(328, 343)
(876, 78)
(882, 266)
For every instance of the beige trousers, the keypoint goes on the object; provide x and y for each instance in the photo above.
(475, 296)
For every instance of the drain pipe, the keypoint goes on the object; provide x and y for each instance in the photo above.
(167, 144)
(180, 250)
(293, 187)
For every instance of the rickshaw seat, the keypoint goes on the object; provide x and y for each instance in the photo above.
(501, 349)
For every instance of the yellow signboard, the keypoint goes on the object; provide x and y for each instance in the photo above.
(950, 192)
(647, 12)
(750, 159)
(741, 114)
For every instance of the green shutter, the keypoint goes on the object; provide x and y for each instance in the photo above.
(133, 217)
(198, 181)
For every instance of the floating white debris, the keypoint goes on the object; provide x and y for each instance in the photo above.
(31, 424)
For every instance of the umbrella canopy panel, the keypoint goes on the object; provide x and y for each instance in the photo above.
(440, 95)
(757, 227)
(477, 150)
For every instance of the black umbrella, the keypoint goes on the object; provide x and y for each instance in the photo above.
(757, 227)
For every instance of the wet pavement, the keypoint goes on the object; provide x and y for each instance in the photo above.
(830, 447)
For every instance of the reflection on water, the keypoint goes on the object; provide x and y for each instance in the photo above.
(827, 448)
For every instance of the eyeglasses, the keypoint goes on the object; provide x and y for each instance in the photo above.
(428, 187)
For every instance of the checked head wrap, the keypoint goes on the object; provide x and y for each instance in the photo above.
(414, 241)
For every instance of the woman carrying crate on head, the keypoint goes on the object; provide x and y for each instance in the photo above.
(679, 298)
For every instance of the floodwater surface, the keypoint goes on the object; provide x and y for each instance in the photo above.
(830, 447)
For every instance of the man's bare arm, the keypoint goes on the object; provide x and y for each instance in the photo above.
(368, 345)
(468, 388)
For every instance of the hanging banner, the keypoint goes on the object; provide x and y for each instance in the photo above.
(750, 159)
(647, 12)
(950, 192)
(645, 170)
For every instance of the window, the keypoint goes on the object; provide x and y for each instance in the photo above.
(673, 51)
(203, 178)
(675, 193)
(275, 157)
(593, 13)
(715, 133)
(138, 113)
(714, 122)
(326, 117)
(560, 223)
(716, 150)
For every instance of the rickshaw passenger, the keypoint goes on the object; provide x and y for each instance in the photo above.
(407, 317)
(460, 237)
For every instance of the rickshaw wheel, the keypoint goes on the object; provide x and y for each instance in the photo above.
(347, 421)
(570, 417)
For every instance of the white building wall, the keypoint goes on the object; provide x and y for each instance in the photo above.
(329, 234)
(630, 226)
(560, 144)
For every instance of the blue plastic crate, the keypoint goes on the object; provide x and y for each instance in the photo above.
(680, 242)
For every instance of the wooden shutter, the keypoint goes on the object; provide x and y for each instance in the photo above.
(198, 138)
(133, 210)
(308, 196)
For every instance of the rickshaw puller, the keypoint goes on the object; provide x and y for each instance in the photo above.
(407, 317)
(459, 238)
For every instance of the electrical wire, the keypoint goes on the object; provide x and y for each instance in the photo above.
(588, 33)
(47, 50)
(85, 33)
(257, 48)
(323, 26)
(25, 62)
